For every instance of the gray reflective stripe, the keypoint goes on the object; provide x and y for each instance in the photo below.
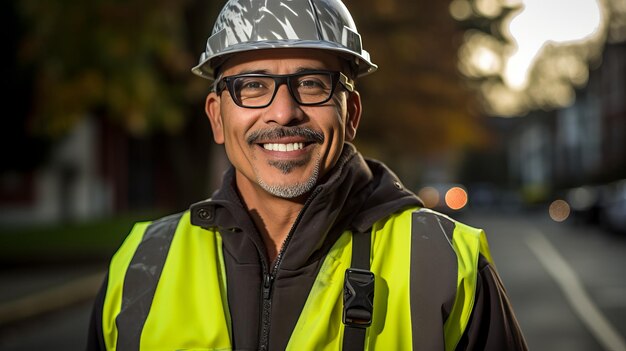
(433, 278)
(141, 281)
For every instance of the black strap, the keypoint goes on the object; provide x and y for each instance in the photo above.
(353, 336)
(361, 243)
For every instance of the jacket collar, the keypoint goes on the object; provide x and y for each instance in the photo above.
(353, 196)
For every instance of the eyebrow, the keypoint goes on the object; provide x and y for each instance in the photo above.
(253, 71)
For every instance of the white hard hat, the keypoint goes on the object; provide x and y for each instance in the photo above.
(245, 25)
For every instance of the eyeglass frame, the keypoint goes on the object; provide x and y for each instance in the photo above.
(279, 79)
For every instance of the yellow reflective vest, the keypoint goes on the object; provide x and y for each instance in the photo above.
(167, 287)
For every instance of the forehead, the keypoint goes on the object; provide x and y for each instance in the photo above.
(281, 61)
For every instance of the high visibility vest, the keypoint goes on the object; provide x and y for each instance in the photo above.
(167, 286)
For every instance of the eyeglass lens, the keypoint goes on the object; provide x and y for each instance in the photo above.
(306, 89)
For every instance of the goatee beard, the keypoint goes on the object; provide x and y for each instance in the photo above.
(293, 190)
(285, 167)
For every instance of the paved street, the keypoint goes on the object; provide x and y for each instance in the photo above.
(526, 247)
(60, 294)
(565, 280)
(65, 330)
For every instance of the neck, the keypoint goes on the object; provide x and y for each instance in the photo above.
(273, 216)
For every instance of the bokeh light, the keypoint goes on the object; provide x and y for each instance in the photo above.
(488, 8)
(582, 198)
(559, 210)
(429, 195)
(460, 9)
(540, 22)
(456, 198)
(536, 52)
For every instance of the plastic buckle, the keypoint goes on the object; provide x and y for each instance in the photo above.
(358, 298)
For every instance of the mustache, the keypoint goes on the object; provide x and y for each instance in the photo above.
(308, 134)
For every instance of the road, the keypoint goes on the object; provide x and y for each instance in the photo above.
(565, 281)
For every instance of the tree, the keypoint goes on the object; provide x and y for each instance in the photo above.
(126, 63)
(416, 103)
(128, 60)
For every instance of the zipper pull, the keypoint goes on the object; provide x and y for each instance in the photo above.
(267, 286)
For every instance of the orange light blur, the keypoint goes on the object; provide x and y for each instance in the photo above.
(559, 210)
(456, 198)
(429, 195)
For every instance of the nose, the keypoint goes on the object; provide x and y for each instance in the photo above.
(283, 110)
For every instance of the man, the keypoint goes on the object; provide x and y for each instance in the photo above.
(306, 245)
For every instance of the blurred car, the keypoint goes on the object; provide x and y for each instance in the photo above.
(585, 203)
(448, 198)
(603, 205)
(613, 207)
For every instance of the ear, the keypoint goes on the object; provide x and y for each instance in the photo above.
(213, 111)
(354, 114)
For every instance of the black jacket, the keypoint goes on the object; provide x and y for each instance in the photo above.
(355, 195)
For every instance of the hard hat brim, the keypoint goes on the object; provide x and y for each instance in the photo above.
(207, 65)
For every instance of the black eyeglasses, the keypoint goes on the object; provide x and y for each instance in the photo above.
(257, 90)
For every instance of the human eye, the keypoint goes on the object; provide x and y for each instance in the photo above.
(314, 83)
(252, 86)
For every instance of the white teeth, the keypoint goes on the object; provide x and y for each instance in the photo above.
(283, 147)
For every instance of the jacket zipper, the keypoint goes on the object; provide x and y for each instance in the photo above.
(268, 279)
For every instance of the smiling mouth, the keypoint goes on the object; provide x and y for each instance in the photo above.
(285, 139)
(283, 147)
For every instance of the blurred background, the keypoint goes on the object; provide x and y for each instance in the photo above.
(509, 115)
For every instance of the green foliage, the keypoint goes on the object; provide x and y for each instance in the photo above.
(130, 60)
(127, 60)
(415, 104)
